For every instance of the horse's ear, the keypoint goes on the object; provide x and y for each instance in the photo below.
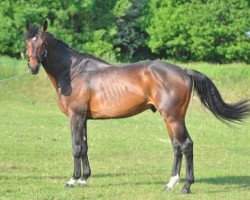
(27, 25)
(45, 25)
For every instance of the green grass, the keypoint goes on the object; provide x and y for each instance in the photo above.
(130, 158)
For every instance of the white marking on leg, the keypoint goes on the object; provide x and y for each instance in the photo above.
(82, 182)
(173, 180)
(72, 181)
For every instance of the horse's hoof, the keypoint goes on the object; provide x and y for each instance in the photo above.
(185, 191)
(69, 186)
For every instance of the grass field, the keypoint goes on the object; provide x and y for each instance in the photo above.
(130, 158)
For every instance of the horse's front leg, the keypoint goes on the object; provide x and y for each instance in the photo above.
(84, 155)
(78, 132)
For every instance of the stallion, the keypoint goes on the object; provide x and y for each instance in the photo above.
(89, 88)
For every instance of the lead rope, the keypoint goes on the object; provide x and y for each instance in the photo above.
(13, 77)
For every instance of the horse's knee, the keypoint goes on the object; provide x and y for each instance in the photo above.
(187, 147)
(77, 151)
(177, 149)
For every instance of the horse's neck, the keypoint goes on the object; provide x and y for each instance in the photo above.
(62, 64)
(58, 62)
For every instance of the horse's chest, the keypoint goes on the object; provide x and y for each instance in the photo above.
(76, 102)
(63, 107)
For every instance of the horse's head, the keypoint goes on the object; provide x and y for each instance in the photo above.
(36, 46)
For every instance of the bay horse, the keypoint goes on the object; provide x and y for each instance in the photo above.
(89, 88)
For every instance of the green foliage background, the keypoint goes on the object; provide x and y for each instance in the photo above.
(129, 30)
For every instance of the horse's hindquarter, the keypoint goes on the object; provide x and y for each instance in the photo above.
(119, 92)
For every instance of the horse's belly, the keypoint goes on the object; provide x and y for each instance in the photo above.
(118, 95)
(125, 106)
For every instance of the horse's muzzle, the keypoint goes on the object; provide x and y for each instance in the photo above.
(34, 69)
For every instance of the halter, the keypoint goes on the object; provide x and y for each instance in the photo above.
(45, 53)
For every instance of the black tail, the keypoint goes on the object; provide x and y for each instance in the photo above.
(211, 98)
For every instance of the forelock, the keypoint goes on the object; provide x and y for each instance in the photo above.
(32, 32)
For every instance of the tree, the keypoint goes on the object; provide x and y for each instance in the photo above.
(208, 30)
(130, 36)
(72, 21)
(128, 30)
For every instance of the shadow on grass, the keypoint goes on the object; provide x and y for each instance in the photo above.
(108, 175)
(238, 181)
(126, 180)
(121, 177)
(243, 181)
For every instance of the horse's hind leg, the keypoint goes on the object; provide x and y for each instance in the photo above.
(181, 143)
(175, 175)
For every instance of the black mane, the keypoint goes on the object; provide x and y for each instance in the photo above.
(85, 55)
